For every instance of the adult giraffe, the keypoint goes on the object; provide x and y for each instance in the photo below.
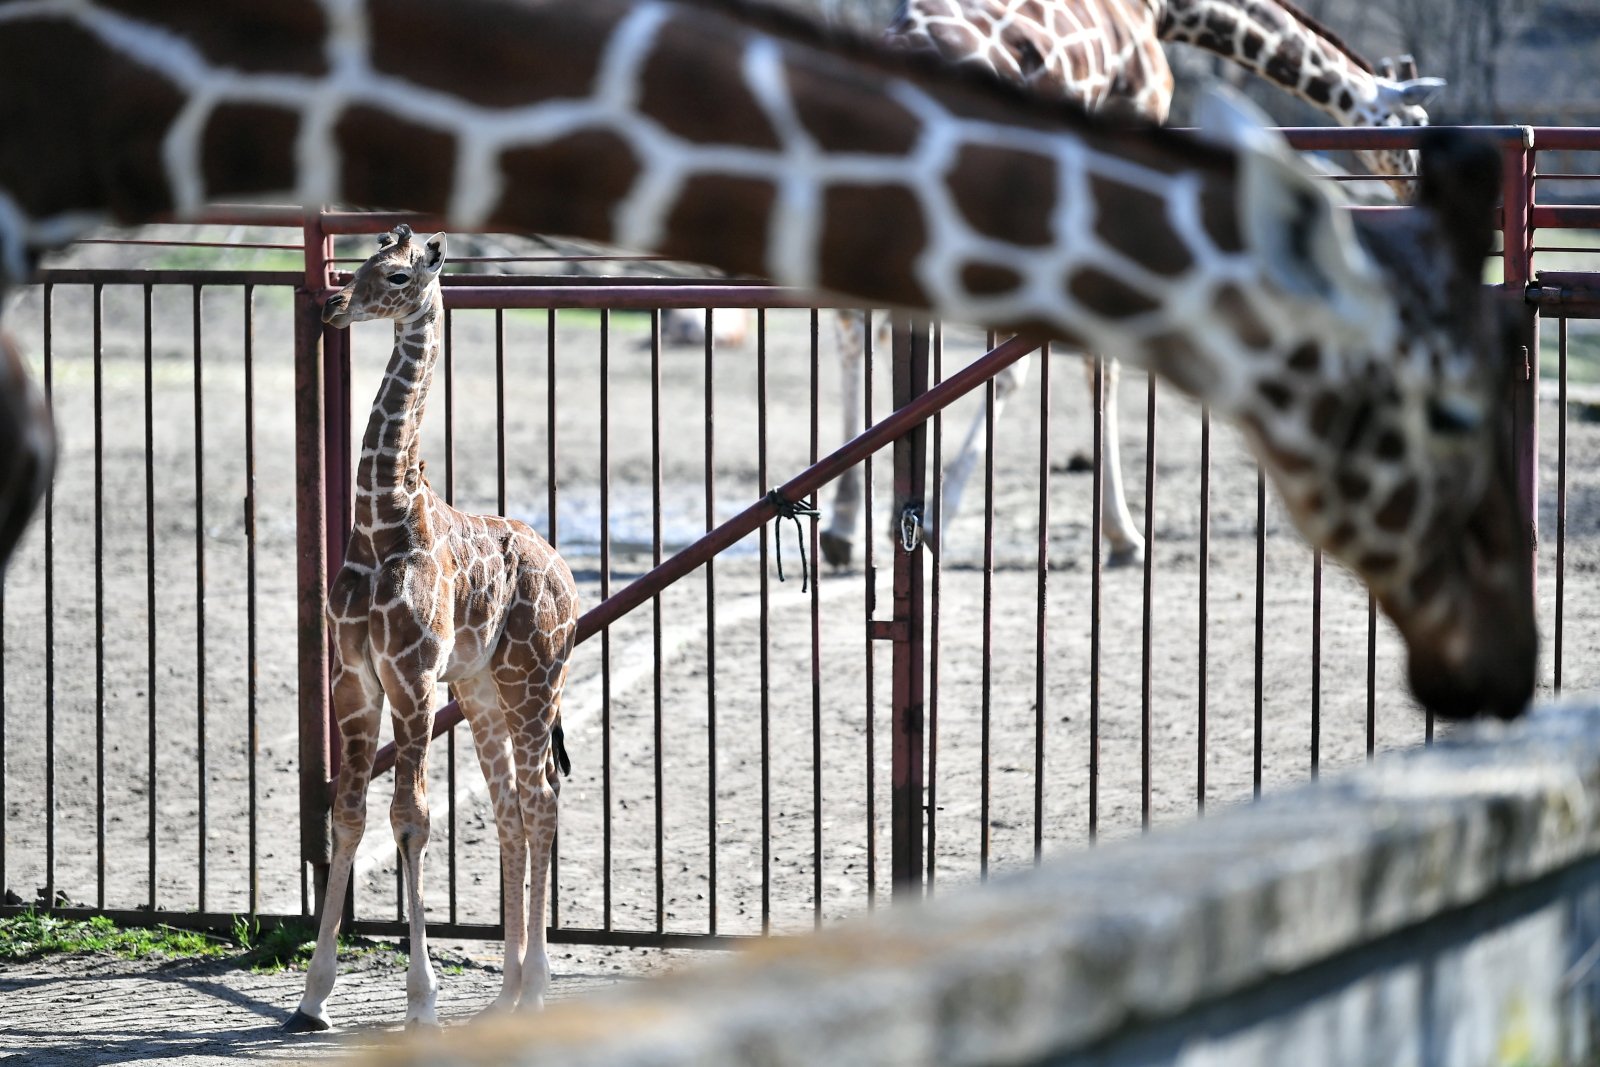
(1106, 55)
(1364, 371)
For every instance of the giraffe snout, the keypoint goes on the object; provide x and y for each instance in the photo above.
(336, 312)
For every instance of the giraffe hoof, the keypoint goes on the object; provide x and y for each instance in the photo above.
(837, 550)
(419, 1026)
(301, 1023)
(1131, 556)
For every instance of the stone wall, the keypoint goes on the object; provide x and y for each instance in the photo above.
(1440, 906)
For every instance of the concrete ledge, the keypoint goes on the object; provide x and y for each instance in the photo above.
(1184, 932)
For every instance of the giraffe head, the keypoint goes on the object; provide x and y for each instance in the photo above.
(1400, 99)
(1394, 459)
(397, 282)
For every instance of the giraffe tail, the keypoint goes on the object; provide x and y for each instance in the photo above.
(558, 743)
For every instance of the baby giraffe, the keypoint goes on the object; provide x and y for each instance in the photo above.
(430, 595)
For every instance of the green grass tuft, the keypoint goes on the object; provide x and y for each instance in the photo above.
(33, 934)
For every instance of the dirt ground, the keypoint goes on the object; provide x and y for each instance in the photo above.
(194, 648)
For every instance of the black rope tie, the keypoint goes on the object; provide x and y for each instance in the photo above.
(787, 509)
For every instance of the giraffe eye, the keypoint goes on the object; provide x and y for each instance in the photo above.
(399, 279)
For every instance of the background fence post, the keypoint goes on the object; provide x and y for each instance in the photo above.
(910, 511)
(311, 551)
(1518, 156)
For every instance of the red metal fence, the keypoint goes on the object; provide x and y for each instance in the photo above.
(733, 776)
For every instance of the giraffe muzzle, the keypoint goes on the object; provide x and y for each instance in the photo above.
(336, 312)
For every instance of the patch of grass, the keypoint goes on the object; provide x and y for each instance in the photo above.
(289, 946)
(33, 934)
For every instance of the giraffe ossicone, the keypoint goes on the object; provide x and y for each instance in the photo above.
(428, 595)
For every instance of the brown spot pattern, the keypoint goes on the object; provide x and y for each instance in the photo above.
(286, 35)
(435, 46)
(880, 264)
(1026, 182)
(1109, 296)
(846, 112)
(724, 220)
(246, 148)
(107, 154)
(1149, 241)
(1234, 308)
(988, 279)
(375, 152)
(1395, 515)
(575, 181)
(699, 99)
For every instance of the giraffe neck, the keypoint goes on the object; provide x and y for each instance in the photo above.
(389, 479)
(863, 174)
(1279, 43)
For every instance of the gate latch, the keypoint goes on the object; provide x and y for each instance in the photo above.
(910, 528)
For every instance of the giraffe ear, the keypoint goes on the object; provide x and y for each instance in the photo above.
(1415, 92)
(433, 253)
(1295, 224)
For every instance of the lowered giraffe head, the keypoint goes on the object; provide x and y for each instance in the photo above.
(1396, 461)
(1399, 99)
(397, 282)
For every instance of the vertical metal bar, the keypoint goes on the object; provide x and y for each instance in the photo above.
(910, 358)
(937, 526)
(252, 673)
(99, 600)
(1372, 675)
(1261, 611)
(311, 550)
(550, 428)
(151, 739)
(1316, 662)
(711, 628)
(1205, 606)
(500, 508)
(451, 865)
(500, 410)
(816, 661)
(1042, 588)
(1098, 403)
(552, 502)
(1518, 170)
(655, 603)
(986, 692)
(1561, 499)
(605, 634)
(200, 591)
(49, 623)
(1149, 589)
(870, 572)
(765, 627)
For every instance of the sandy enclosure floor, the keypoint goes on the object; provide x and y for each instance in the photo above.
(175, 679)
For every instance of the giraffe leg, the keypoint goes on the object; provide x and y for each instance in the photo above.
(480, 702)
(358, 702)
(411, 700)
(531, 670)
(540, 790)
(975, 444)
(1116, 522)
(838, 539)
